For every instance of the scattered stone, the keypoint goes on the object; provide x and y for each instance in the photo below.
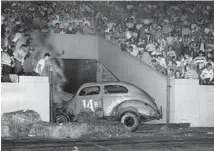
(106, 129)
(18, 122)
(5, 131)
(57, 131)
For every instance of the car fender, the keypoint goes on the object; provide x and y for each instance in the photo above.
(138, 107)
(127, 109)
(70, 107)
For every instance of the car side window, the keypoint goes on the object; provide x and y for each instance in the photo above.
(93, 90)
(114, 89)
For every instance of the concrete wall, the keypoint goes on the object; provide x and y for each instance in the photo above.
(103, 74)
(26, 95)
(75, 46)
(78, 72)
(192, 103)
(129, 69)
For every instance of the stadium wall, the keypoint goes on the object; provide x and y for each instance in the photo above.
(75, 46)
(191, 103)
(30, 93)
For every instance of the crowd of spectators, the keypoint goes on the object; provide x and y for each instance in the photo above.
(174, 38)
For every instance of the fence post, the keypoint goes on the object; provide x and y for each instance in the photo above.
(168, 101)
(51, 92)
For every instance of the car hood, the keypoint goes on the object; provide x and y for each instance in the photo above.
(64, 96)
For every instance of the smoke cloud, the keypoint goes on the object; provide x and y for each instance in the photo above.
(43, 45)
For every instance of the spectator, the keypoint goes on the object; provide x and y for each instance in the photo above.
(132, 51)
(123, 46)
(146, 57)
(7, 62)
(161, 60)
(171, 52)
(210, 60)
(155, 65)
(187, 59)
(179, 61)
(178, 74)
(51, 29)
(87, 29)
(39, 70)
(170, 73)
(189, 74)
(200, 58)
(202, 47)
(170, 64)
(167, 57)
(57, 29)
(19, 56)
(150, 47)
(162, 43)
(200, 68)
(170, 40)
(3, 30)
(141, 44)
(29, 62)
(157, 50)
(17, 36)
(207, 75)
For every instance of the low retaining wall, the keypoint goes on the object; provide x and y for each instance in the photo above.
(30, 93)
(192, 103)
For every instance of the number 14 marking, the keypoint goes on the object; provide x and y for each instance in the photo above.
(90, 104)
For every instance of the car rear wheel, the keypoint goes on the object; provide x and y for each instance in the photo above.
(130, 120)
(61, 118)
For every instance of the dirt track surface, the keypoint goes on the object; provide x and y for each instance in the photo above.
(192, 139)
(146, 144)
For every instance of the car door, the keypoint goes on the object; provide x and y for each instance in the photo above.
(88, 99)
(112, 96)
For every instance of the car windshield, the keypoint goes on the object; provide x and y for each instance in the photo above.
(93, 90)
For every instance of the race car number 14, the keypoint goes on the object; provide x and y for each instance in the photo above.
(91, 104)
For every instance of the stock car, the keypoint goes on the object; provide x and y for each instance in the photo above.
(116, 100)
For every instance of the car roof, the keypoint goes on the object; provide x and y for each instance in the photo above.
(131, 87)
(107, 83)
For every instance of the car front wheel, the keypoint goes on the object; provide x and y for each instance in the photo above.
(130, 120)
(61, 118)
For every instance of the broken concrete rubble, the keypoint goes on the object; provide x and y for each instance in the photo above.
(18, 123)
(58, 131)
(28, 124)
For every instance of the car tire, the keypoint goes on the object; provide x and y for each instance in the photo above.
(130, 120)
(61, 118)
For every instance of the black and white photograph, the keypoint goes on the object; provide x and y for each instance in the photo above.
(107, 75)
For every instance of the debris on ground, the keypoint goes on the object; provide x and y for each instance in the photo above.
(18, 122)
(106, 129)
(5, 131)
(21, 124)
(28, 124)
(58, 131)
